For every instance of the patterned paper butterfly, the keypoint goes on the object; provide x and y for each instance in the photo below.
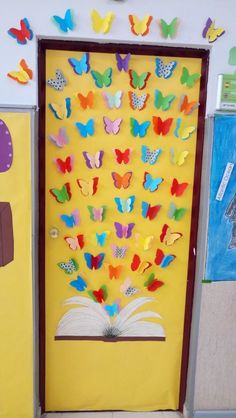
(61, 111)
(86, 101)
(62, 195)
(150, 156)
(23, 34)
(102, 80)
(149, 211)
(161, 127)
(122, 156)
(100, 24)
(59, 82)
(183, 132)
(112, 101)
(188, 79)
(97, 214)
(122, 181)
(125, 206)
(85, 129)
(112, 127)
(163, 102)
(65, 24)
(119, 252)
(163, 260)
(80, 66)
(93, 160)
(75, 243)
(144, 243)
(174, 213)
(152, 284)
(127, 289)
(187, 107)
(123, 63)
(88, 187)
(137, 102)
(123, 231)
(114, 271)
(211, 32)
(168, 30)
(140, 27)
(139, 129)
(65, 165)
(23, 75)
(151, 184)
(177, 189)
(168, 237)
(178, 158)
(61, 139)
(138, 265)
(138, 81)
(71, 220)
(79, 284)
(94, 262)
(165, 70)
(69, 267)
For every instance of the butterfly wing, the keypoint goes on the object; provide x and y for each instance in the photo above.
(140, 27)
(163, 70)
(112, 127)
(137, 102)
(62, 195)
(123, 63)
(79, 284)
(122, 157)
(150, 183)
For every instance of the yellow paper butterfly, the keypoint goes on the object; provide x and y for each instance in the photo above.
(100, 24)
(144, 243)
(23, 75)
(168, 237)
(178, 159)
(62, 110)
(88, 187)
(183, 132)
(210, 32)
(140, 27)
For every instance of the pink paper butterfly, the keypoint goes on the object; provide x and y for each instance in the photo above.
(97, 214)
(75, 243)
(123, 231)
(119, 252)
(112, 127)
(61, 139)
(93, 161)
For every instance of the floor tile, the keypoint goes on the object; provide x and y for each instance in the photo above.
(86, 415)
(146, 415)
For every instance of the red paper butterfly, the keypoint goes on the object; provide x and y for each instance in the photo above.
(22, 34)
(122, 156)
(177, 188)
(138, 265)
(65, 165)
(161, 127)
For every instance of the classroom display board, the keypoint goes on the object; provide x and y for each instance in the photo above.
(120, 171)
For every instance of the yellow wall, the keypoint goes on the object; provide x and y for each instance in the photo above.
(16, 322)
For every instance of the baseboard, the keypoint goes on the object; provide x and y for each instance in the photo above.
(214, 414)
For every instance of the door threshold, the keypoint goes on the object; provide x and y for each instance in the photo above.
(113, 415)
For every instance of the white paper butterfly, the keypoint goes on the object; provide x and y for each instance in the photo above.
(59, 83)
(112, 100)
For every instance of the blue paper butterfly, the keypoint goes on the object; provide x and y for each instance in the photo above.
(164, 70)
(79, 284)
(71, 220)
(125, 205)
(94, 262)
(167, 260)
(150, 156)
(87, 129)
(112, 309)
(61, 111)
(101, 238)
(151, 183)
(139, 129)
(80, 66)
(66, 23)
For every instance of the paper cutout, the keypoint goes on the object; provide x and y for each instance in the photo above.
(99, 295)
(101, 238)
(61, 139)
(6, 148)
(165, 70)
(210, 32)
(122, 181)
(168, 237)
(163, 102)
(59, 83)
(185, 132)
(115, 271)
(178, 158)
(69, 267)
(94, 262)
(125, 206)
(137, 102)
(124, 231)
(188, 79)
(112, 127)
(75, 243)
(187, 107)
(149, 211)
(6, 234)
(138, 265)
(113, 309)
(86, 129)
(102, 80)
(119, 252)
(23, 34)
(177, 189)
(93, 160)
(122, 156)
(64, 24)
(127, 289)
(23, 75)
(152, 284)
(138, 81)
(97, 214)
(62, 195)
(71, 220)
(144, 243)
(100, 24)
(163, 260)
(80, 66)
(151, 184)
(174, 213)
(86, 101)
(79, 284)
(65, 165)
(140, 26)
(112, 100)
(168, 30)
(150, 156)
(123, 62)
(61, 111)
(139, 129)
(161, 127)
(88, 188)
(232, 56)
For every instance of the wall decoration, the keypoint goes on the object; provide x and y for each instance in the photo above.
(140, 26)
(101, 24)
(210, 32)
(232, 56)
(6, 148)
(23, 34)
(6, 234)
(66, 23)
(168, 29)
(23, 75)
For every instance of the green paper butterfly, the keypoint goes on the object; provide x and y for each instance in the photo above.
(62, 195)
(102, 80)
(138, 81)
(188, 79)
(69, 267)
(175, 213)
(168, 29)
(161, 102)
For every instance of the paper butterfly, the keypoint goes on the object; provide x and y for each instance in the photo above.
(102, 80)
(174, 213)
(79, 284)
(23, 34)
(140, 27)
(188, 79)
(75, 243)
(183, 133)
(168, 29)
(150, 183)
(144, 243)
(87, 129)
(139, 129)
(113, 309)
(161, 127)
(62, 195)
(123, 63)
(187, 107)
(100, 24)
(137, 102)
(163, 260)
(127, 289)
(177, 189)
(124, 206)
(122, 181)
(93, 160)
(101, 238)
(163, 102)
(178, 159)
(71, 220)
(61, 139)
(86, 101)
(138, 81)
(168, 237)
(65, 165)
(138, 265)
(69, 267)
(164, 70)
(122, 156)
(150, 156)
(112, 127)
(149, 211)
(80, 66)
(61, 111)
(94, 262)
(118, 252)
(112, 101)
(64, 24)
(88, 188)
(152, 284)
(23, 75)
(59, 83)
(123, 231)
(97, 214)
(210, 32)
(99, 295)
(115, 271)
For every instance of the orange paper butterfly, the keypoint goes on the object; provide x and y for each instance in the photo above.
(187, 107)
(86, 101)
(122, 181)
(115, 271)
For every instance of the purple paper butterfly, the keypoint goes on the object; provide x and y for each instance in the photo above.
(112, 127)
(123, 63)
(123, 231)
(93, 160)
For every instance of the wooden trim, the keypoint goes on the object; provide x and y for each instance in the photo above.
(108, 340)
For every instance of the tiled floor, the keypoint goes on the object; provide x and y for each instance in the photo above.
(115, 415)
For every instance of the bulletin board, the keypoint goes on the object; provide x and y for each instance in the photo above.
(121, 136)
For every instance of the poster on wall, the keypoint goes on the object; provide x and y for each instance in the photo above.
(221, 248)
